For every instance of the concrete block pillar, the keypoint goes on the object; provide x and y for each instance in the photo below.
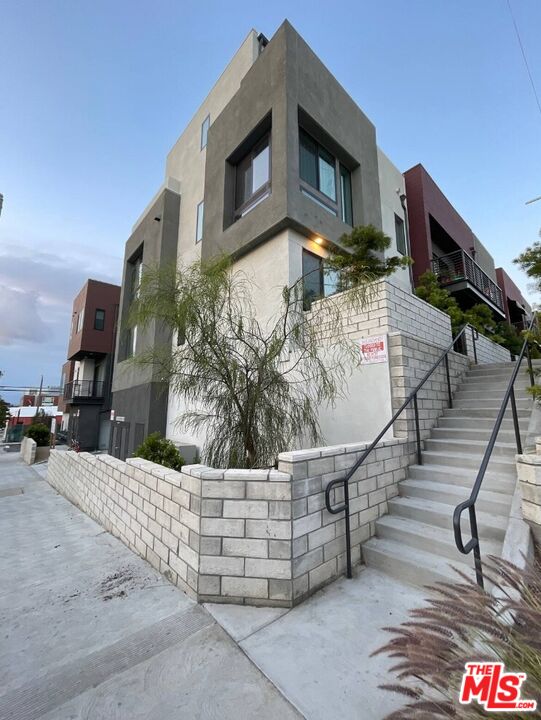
(529, 475)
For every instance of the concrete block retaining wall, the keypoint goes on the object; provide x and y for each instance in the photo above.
(487, 351)
(410, 359)
(258, 537)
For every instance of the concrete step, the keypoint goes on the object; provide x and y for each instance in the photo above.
(485, 412)
(461, 477)
(480, 423)
(492, 368)
(487, 501)
(428, 538)
(460, 432)
(491, 402)
(466, 392)
(490, 526)
(464, 460)
(412, 566)
(470, 447)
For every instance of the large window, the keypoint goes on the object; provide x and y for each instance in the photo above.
(199, 222)
(318, 281)
(400, 233)
(318, 170)
(205, 131)
(252, 177)
(99, 320)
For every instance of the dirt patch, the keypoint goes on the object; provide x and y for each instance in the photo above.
(120, 583)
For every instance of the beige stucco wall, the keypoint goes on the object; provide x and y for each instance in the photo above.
(186, 161)
(391, 180)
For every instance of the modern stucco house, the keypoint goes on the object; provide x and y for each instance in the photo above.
(87, 373)
(277, 163)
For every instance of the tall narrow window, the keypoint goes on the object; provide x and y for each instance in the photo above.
(99, 320)
(205, 131)
(135, 274)
(253, 174)
(80, 320)
(199, 222)
(346, 201)
(400, 233)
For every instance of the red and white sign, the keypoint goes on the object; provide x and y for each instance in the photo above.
(493, 688)
(374, 350)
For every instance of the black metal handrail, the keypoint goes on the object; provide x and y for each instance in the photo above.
(469, 504)
(412, 397)
(83, 389)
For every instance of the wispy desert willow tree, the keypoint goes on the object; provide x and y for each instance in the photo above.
(253, 387)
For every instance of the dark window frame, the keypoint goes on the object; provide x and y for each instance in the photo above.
(400, 223)
(264, 190)
(96, 311)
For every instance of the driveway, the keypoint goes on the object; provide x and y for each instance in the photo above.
(90, 630)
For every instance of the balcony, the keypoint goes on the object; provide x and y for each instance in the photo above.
(84, 391)
(459, 273)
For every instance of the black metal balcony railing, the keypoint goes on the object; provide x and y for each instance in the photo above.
(83, 389)
(458, 266)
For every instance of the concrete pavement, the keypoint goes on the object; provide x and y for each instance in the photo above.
(89, 630)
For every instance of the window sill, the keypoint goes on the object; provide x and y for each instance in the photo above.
(250, 204)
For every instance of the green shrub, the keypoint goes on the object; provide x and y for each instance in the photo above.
(161, 451)
(39, 433)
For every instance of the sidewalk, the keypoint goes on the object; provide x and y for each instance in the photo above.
(92, 631)
(89, 630)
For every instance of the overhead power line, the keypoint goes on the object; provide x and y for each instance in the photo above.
(524, 56)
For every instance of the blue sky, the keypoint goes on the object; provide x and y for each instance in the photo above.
(93, 95)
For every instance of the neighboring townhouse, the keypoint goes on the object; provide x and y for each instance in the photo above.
(87, 374)
(442, 242)
(517, 309)
(276, 165)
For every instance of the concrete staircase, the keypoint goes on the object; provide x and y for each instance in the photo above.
(415, 541)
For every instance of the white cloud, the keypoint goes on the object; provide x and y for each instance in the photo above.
(20, 318)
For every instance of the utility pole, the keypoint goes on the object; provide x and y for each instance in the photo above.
(38, 399)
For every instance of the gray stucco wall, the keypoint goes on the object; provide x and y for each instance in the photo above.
(287, 80)
(136, 391)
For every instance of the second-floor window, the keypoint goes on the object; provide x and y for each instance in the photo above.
(400, 233)
(99, 320)
(253, 177)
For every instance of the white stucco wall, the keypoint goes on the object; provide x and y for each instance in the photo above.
(391, 180)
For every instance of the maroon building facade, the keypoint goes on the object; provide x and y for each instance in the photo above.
(442, 242)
